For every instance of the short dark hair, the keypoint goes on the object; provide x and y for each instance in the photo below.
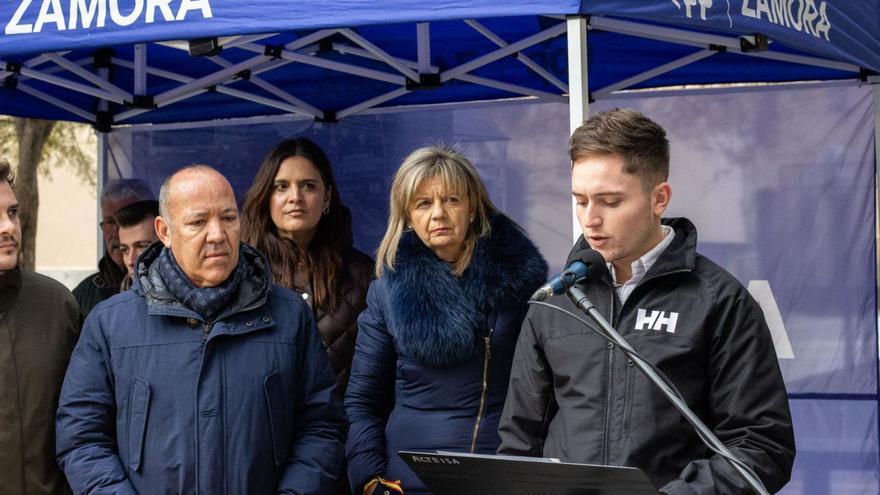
(626, 132)
(136, 213)
(6, 172)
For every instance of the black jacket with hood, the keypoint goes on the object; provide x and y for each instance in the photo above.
(101, 285)
(575, 397)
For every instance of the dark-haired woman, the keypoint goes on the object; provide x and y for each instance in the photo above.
(292, 213)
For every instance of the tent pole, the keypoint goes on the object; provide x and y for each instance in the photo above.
(578, 87)
(423, 44)
(876, 93)
(103, 106)
(140, 69)
(875, 87)
(99, 180)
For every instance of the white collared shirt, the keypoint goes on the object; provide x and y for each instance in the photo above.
(641, 266)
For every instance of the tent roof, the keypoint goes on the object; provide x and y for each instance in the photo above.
(111, 62)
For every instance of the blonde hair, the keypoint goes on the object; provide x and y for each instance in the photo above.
(457, 174)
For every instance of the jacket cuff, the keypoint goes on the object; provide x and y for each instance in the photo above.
(363, 468)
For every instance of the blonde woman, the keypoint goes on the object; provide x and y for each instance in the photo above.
(436, 341)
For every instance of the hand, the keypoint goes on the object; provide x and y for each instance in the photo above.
(380, 486)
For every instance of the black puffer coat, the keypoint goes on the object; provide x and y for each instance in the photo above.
(338, 328)
(103, 284)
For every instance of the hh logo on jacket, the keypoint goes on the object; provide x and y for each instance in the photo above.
(656, 320)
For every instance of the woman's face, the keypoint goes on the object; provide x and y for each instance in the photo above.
(298, 199)
(441, 218)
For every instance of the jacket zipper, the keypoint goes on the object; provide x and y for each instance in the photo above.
(487, 354)
(206, 329)
(627, 395)
(610, 388)
(609, 395)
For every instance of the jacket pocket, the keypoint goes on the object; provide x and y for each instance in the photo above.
(138, 411)
(279, 422)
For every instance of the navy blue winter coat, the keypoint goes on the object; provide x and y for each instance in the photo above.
(433, 353)
(156, 401)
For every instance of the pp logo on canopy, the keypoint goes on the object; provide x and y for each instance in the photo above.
(690, 4)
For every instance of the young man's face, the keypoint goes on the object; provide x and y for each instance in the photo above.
(619, 218)
(10, 228)
(134, 239)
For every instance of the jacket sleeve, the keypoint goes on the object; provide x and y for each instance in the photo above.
(370, 395)
(529, 397)
(748, 405)
(318, 420)
(86, 419)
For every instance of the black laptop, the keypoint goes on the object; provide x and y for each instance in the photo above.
(447, 473)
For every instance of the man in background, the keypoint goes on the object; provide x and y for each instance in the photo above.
(111, 268)
(39, 323)
(136, 232)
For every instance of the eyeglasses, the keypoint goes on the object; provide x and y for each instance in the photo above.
(108, 224)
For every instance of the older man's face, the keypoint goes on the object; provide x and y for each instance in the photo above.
(203, 229)
(10, 228)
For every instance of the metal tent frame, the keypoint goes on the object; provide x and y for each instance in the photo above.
(366, 60)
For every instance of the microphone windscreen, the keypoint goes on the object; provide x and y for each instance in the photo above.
(594, 261)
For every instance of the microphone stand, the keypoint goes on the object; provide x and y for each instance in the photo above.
(579, 298)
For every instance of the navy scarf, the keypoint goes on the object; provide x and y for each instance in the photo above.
(206, 301)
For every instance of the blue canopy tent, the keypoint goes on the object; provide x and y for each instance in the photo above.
(113, 62)
(156, 63)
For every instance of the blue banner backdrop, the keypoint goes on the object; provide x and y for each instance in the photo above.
(780, 185)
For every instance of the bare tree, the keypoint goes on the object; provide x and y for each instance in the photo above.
(33, 144)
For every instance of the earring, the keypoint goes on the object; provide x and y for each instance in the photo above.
(327, 209)
(472, 219)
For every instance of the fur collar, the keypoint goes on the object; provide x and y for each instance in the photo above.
(437, 314)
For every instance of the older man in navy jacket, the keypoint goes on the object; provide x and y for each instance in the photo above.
(205, 377)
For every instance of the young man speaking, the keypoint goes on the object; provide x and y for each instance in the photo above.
(574, 396)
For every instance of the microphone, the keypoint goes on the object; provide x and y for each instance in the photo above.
(584, 263)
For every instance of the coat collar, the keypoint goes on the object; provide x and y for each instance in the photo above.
(109, 274)
(10, 280)
(436, 314)
(253, 291)
(680, 255)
